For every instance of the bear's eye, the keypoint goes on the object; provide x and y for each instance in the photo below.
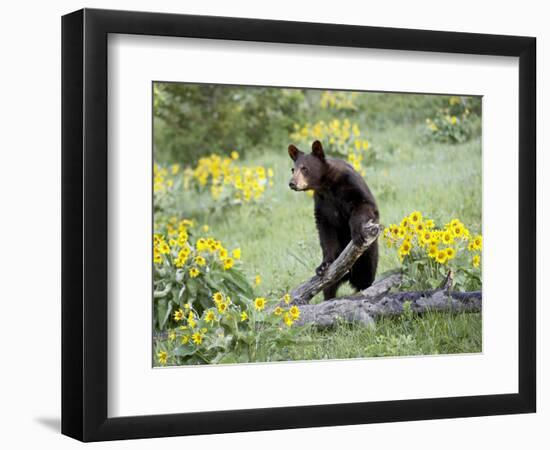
(303, 169)
(292, 170)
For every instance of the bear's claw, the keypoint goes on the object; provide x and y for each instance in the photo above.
(322, 268)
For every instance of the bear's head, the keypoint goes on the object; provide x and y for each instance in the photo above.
(308, 170)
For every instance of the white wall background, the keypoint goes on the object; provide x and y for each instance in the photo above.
(30, 192)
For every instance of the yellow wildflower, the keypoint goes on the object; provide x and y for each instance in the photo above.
(294, 312)
(228, 263)
(191, 320)
(182, 238)
(236, 253)
(478, 242)
(405, 248)
(202, 245)
(415, 217)
(447, 238)
(458, 230)
(244, 316)
(178, 315)
(425, 237)
(451, 252)
(278, 311)
(259, 303)
(162, 357)
(157, 257)
(441, 257)
(287, 318)
(194, 272)
(197, 338)
(209, 317)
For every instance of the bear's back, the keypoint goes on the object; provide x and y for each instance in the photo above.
(345, 182)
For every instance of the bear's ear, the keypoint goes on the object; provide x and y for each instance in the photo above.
(317, 150)
(293, 152)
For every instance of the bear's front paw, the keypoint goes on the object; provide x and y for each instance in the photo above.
(322, 268)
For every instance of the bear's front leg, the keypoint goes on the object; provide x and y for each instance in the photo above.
(328, 237)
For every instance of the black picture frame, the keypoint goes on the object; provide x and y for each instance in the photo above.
(84, 224)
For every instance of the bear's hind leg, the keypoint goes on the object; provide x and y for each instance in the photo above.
(330, 292)
(363, 272)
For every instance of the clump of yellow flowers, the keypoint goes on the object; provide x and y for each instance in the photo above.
(165, 178)
(206, 308)
(452, 123)
(338, 100)
(426, 250)
(226, 331)
(174, 247)
(224, 179)
(220, 176)
(186, 261)
(339, 136)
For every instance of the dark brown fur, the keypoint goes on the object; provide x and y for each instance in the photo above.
(343, 203)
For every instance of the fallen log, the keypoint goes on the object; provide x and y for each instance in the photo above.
(365, 309)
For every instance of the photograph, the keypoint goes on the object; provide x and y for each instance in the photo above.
(301, 224)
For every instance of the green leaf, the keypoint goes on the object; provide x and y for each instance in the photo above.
(243, 358)
(161, 308)
(184, 350)
(239, 282)
(166, 314)
(228, 358)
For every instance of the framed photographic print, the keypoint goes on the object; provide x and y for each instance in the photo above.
(273, 224)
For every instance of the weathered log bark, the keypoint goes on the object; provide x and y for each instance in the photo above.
(379, 288)
(365, 310)
(306, 291)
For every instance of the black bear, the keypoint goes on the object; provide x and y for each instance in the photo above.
(343, 203)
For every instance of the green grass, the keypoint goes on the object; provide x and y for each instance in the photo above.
(431, 334)
(279, 240)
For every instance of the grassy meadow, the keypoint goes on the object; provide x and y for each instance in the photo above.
(410, 170)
